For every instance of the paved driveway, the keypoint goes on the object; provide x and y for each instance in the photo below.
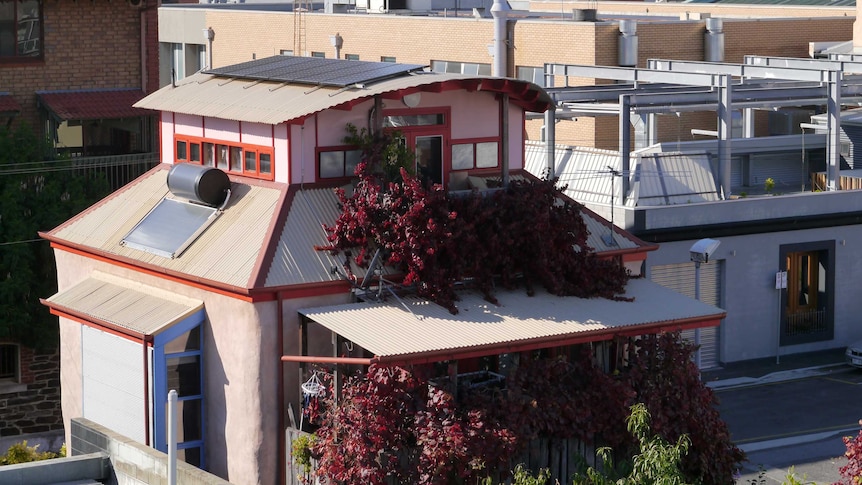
(798, 422)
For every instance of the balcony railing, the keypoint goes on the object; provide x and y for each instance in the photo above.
(118, 170)
(806, 322)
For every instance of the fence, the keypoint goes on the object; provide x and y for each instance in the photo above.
(118, 170)
(806, 322)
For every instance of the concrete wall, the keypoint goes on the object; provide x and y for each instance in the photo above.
(131, 463)
(749, 296)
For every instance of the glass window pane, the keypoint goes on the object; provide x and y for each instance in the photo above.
(438, 66)
(462, 156)
(331, 164)
(265, 163)
(351, 160)
(189, 420)
(192, 456)
(250, 161)
(184, 375)
(190, 340)
(209, 154)
(236, 159)
(484, 69)
(221, 156)
(182, 153)
(195, 152)
(7, 29)
(486, 154)
(29, 30)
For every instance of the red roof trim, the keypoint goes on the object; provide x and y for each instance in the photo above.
(8, 104)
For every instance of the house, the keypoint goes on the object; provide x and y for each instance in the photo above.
(71, 71)
(202, 274)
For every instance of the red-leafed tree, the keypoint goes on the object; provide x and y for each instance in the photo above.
(851, 473)
(526, 232)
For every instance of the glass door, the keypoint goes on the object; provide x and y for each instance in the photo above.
(429, 158)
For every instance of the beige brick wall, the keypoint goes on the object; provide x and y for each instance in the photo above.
(242, 35)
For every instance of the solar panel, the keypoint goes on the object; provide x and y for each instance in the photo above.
(170, 227)
(315, 70)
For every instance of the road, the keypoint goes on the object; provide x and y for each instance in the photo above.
(795, 423)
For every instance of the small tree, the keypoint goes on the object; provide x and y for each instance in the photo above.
(657, 462)
(851, 473)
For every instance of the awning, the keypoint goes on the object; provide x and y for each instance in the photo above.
(92, 104)
(8, 105)
(419, 331)
(121, 305)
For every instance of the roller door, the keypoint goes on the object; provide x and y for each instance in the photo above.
(113, 382)
(680, 278)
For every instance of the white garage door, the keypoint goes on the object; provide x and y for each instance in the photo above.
(113, 382)
(680, 278)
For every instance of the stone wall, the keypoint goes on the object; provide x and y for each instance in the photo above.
(32, 405)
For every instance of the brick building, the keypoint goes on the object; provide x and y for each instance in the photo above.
(545, 33)
(71, 71)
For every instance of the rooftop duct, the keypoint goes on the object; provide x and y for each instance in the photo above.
(628, 43)
(713, 41)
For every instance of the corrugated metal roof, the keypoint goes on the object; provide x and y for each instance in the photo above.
(390, 331)
(140, 308)
(8, 104)
(226, 252)
(93, 104)
(659, 178)
(673, 178)
(273, 103)
(296, 261)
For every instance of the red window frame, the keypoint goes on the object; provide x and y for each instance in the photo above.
(231, 157)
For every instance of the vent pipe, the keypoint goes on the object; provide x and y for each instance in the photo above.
(713, 41)
(628, 43)
(500, 11)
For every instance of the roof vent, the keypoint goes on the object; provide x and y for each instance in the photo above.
(206, 185)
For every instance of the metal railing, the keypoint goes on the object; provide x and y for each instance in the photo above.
(118, 170)
(806, 322)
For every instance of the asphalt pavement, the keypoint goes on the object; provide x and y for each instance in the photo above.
(789, 414)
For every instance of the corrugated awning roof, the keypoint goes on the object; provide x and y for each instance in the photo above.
(428, 332)
(92, 104)
(139, 309)
(273, 103)
(8, 104)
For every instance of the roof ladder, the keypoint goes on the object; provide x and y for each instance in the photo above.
(300, 8)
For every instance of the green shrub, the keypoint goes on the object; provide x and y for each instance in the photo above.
(21, 453)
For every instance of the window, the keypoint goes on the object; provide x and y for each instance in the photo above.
(20, 30)
(808, 300)
(351, 57)
(318, 54)
(387, 58)
(9, 362)
(338, 163)
(392, 121)
(461, 67)
(248, 160)
(532, 74)
(286, 52)
(466, 156)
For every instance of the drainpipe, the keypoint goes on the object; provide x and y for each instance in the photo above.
(209, 34)
(281, 449)
(500, 11)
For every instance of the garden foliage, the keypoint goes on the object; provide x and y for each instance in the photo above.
(524, 233)
(390, 424)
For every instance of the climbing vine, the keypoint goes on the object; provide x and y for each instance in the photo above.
(526, 233)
